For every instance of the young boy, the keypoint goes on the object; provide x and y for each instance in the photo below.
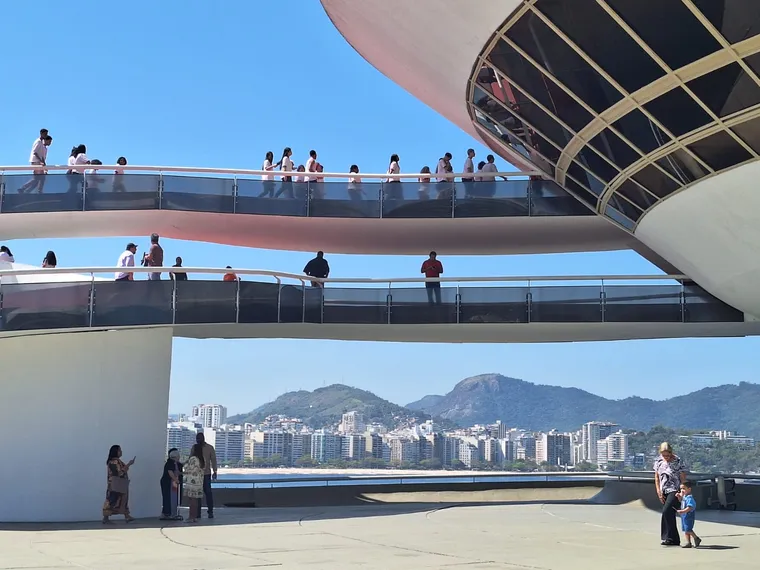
(688, 513)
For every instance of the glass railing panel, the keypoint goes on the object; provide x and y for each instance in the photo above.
(418, 199)
(41, 193)
(493, 305)
(132, 303)
(490, 198)
(313, 308)
(109, 191)
(701, 307)
(205, 302)
(642, 303)
(421, 305)
(258, 302)
(573, 304)
(34, 306)
(361, 306)
(198, 194)
(345, 199)
(273, 197)
(292, 304)
(550, 199)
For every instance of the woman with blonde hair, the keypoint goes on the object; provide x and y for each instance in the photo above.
(669, 473)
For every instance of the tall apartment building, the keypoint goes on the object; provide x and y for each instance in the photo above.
(352, 423)
(612, 451)
(301, 446)
(591, 432)
(450, 450)
(526, 448)
(229, 444)
(492, 451)
(403, 449)
(182, 436)
(210, 415)
(507, 450)
(353, 447)
(499, 430)
(269, 443)
(468, 453)
(325, 446)
(554, 448)
(374, 445)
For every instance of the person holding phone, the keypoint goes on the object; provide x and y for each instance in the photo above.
(117, 491)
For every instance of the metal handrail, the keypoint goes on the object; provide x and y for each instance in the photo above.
(301, 277)
(247, 172)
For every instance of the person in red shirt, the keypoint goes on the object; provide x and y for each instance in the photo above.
(432, 268)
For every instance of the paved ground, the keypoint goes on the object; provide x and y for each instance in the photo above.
(531, 536)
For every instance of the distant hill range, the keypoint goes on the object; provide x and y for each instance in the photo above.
(325, 406)
(489, 397)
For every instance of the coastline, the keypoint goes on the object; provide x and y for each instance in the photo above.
(359, 472)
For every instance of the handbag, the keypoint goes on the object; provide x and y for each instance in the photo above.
(120, 485)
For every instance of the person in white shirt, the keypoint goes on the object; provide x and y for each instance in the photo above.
(469, 168)
(126, 259)
(311, 166)
(424, 190)
(267, 180)
(486, 175)
(444, 167)
(286, 165)
(38, 157)
(355, 190)
(118, 174)
(6, 255)
(393, 192)
(92, 179)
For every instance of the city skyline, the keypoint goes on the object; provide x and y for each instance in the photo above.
(165, 115)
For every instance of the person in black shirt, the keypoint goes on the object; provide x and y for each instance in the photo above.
(318, 267)
(170, 486)
(178, 275)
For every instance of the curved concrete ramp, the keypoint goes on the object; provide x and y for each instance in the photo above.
(628, 492)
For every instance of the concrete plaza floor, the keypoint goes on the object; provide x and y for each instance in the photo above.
(524, 536)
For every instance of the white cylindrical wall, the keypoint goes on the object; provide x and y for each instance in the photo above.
(66, 399)
(711, 232)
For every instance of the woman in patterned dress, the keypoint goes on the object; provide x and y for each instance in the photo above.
(192, 486)
(669, 473)
(117, 492)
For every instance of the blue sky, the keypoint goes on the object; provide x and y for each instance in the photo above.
(218, 85)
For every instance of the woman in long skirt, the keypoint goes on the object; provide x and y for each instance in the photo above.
(117, 492)
(192, 484)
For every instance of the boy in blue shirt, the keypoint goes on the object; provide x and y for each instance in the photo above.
(688, 512)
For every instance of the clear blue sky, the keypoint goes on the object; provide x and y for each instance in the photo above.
(218, 84)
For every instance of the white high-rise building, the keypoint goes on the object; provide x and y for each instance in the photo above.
(210, 415)
(180, 435)
(325, 446)
(591, 433)
(352, 423)
(354, 447)
(554, 448)
(229, 444)
(612, 450)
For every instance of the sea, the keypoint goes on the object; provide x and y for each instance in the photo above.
(269, 480)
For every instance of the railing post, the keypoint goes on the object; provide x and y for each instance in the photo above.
(234, 194)
(381, 197)
(91, 307)
(174, 300)
(84, 191)
(603, 301)
(2, 190)
(237, 300)
(279, 296)
(529, 196)
(458, 301)
(160, 190)
(453, 197)
(528, 303)
(308, 198)
(389, 303)
(683, 302)
(303, 300)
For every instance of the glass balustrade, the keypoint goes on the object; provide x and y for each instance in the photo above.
(35, 306)
(62, 192)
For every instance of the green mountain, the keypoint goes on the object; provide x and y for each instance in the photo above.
(490, 397)
(325, 406)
